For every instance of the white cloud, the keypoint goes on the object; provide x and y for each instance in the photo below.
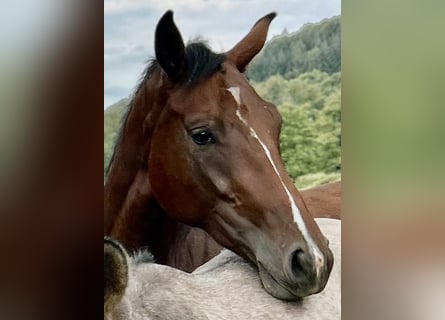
(129, 29)
(122, 6)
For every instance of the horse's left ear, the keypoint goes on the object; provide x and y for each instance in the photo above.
(169, 47)
(115, 273)
(251, 44)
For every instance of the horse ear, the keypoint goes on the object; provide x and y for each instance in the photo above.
(115, 273)
(244, 51)
(169, 47)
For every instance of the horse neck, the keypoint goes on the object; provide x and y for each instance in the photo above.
(143, 223)
(129, 160)
(131, 212)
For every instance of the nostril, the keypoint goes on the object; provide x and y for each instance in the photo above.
(297, 261)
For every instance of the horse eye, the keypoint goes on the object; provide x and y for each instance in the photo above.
(203, 136)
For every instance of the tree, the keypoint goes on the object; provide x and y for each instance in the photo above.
(314, 46)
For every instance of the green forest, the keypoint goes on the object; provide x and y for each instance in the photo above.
(314, 46)
(300, 73)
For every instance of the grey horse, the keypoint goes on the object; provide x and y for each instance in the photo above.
(226, 287)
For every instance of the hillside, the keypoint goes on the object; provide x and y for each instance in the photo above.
(112, 121)
(314, 46)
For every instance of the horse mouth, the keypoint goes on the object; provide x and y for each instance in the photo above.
(276, 287)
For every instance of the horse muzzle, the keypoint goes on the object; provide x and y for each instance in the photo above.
(303, 274)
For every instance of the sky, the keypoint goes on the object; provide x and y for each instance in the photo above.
(129, 29)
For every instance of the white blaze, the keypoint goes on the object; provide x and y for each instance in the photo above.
(298, 219)
(236, 94)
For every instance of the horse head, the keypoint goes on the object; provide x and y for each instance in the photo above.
(215, 162)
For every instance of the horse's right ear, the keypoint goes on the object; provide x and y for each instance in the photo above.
(169, 47)
(245, 50)
(115, 273)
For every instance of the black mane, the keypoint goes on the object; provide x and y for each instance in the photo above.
(200, 61)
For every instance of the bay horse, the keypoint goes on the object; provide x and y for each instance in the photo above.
(226, 287)
(199, 149)
(324, 201)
